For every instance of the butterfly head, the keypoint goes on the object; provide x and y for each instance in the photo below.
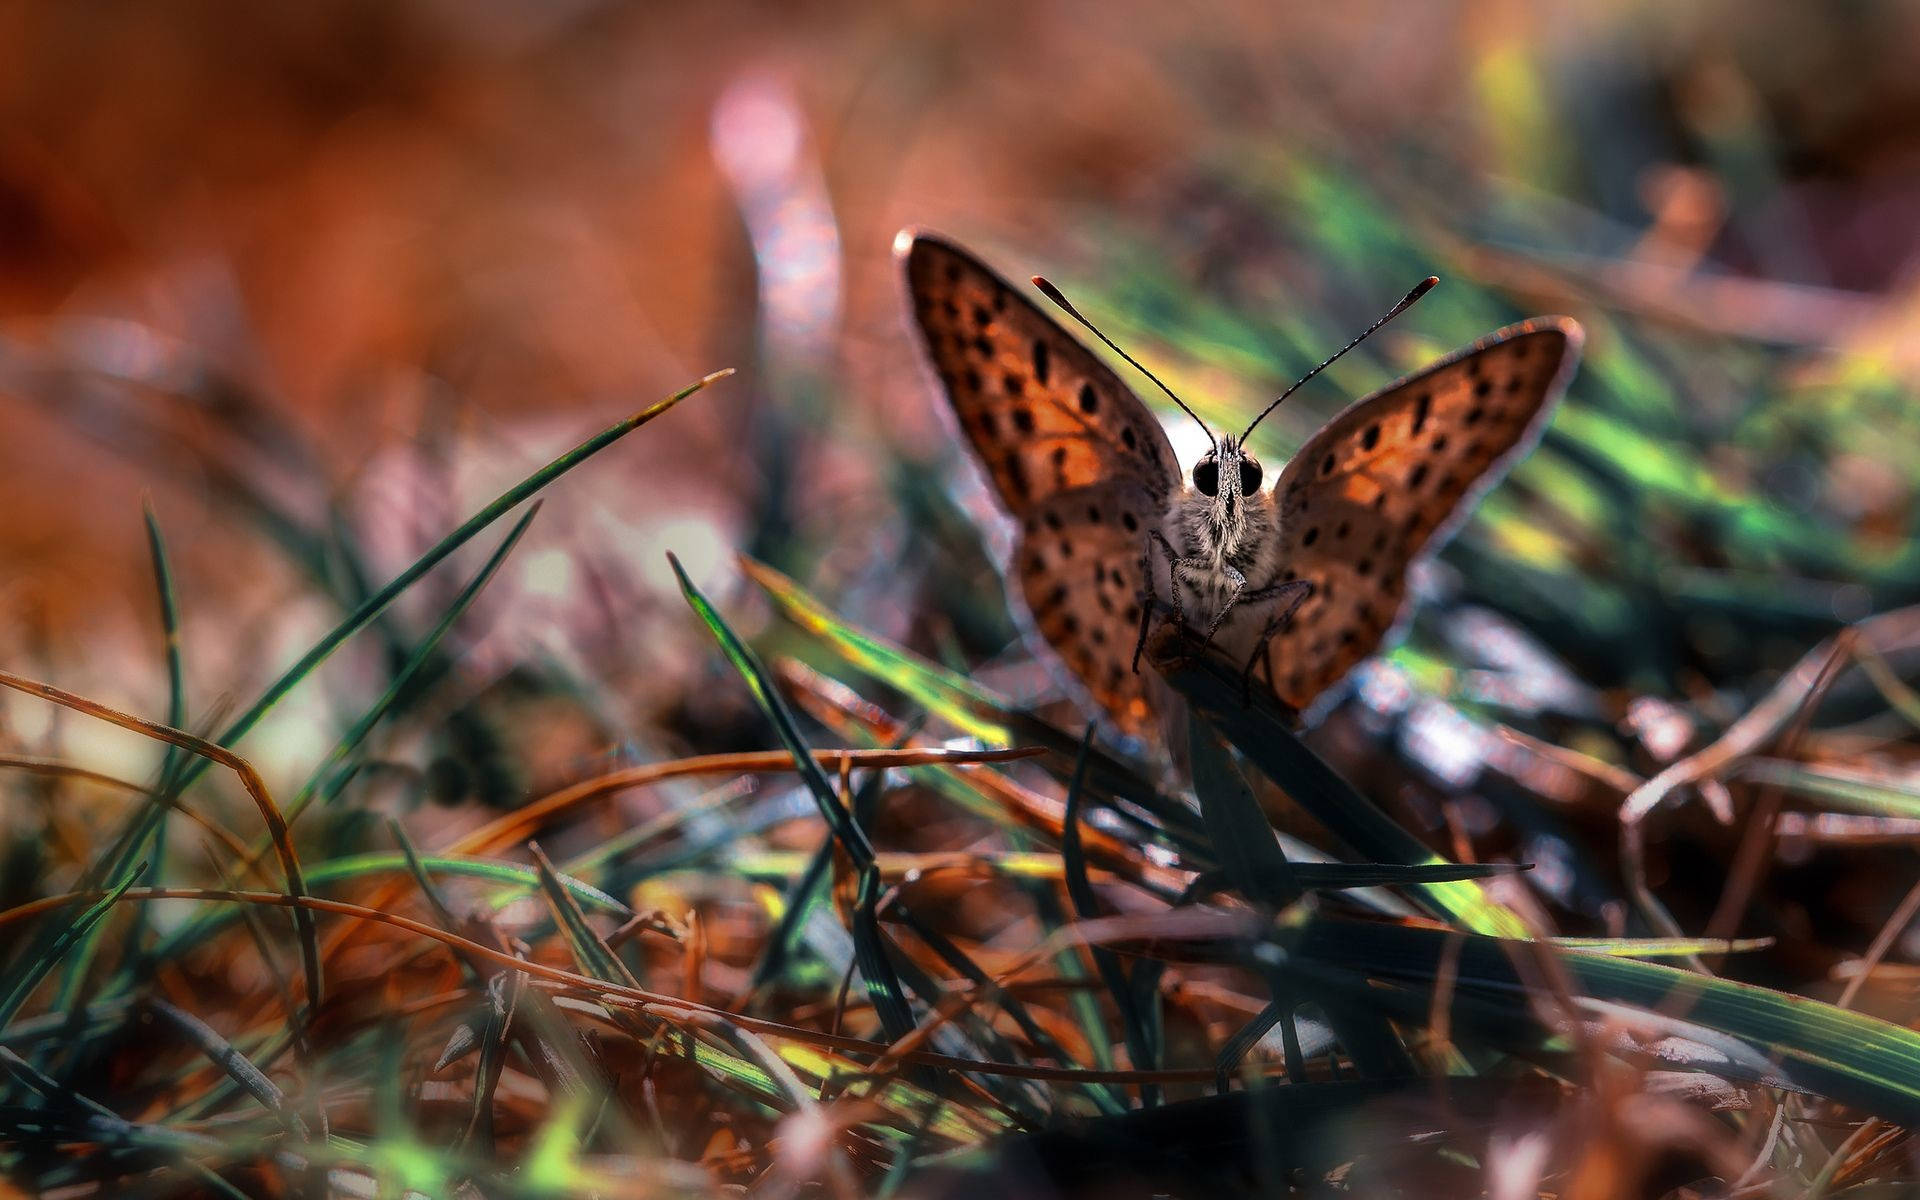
(1228, 474)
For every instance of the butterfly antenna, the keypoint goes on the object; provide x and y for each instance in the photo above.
(1053, 293)
(1420, 289)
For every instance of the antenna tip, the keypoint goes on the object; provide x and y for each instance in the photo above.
(1058, 297)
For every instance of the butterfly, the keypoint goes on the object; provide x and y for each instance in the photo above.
(1298, 581)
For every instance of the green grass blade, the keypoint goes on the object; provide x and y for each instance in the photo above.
(422, 654)
(78, 963)
(1338, 876)
(31, 971)
(1261, 731)
(876, 969)
(596, 958)
(798, 903)
(1858, 1060)
(1243, 840)
(502, 504)
(329, 778)
(759, 681)
(946, 694)
(139, 829)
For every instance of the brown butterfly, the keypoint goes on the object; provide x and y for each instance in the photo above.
(1298, 582)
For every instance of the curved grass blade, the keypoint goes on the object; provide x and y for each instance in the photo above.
(1861, 1061)
(331, 777)
(883, 985)
(954, 698)
(375, 863)
(502, 504)
(422, 654)
(139, 829)
(967, 706)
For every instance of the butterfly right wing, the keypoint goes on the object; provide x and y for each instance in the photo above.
(1074, 456)
(1386, 481)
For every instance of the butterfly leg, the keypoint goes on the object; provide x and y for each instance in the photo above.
(1148, 597)
(1234, 597)
(1290, 595)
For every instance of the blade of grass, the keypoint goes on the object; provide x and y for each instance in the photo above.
(839, 821)
(967, 706)
(1243, 841)
(176, 670)
(79, 962)
(1340, 876)
(1858, 1060)
(589, 947)
(28, 975)
(329, 778)
(236, 1065)
(1086, 905)
(883, 985)
(502, 504)
(805, 894)
(250, 781)
(1261, 732)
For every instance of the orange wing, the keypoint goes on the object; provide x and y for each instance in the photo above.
(1043, 414)
(1389, 478)
(1076, 458)
(1079, 567)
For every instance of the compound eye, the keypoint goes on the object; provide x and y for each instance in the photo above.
(1249, 477)
(1206, 477)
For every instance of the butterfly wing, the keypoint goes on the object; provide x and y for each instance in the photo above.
(1073, 454)
(1042, 413)
(1079, 566)
(1390, 477)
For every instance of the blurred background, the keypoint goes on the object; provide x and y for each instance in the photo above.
(317, 281)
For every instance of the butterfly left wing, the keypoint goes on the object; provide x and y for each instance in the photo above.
(1388, 478)
(1043, 414)
(1074, 456)
(1079, 562)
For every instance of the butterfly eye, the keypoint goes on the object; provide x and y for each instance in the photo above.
(1206, 477)
(1249, 477)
